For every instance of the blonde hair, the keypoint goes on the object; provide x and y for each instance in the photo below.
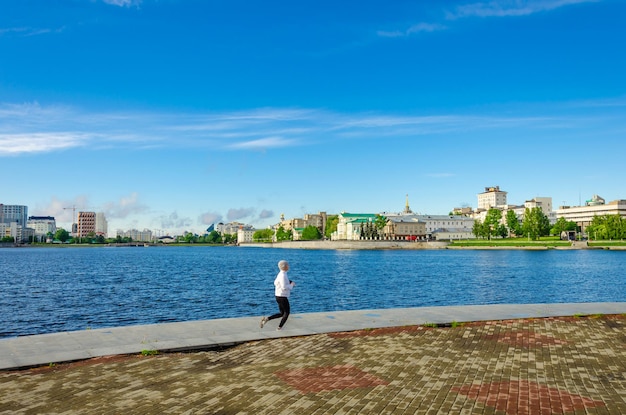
(281, 264)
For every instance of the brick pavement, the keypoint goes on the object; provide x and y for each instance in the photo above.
(532, 366)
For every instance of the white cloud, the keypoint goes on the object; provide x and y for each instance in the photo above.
(15, 144)
(123, 3)
(127, 206)
(28, 31)
(236, 214)
(209, 218)
(174, 222)
(416, 28)
(35, 129)
(496, 8)
(263, 143)
(64, 211)
(511, 8)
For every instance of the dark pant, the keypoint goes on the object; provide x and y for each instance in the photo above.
(284, 310)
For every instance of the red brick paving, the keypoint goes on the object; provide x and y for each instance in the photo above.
(525, 339)
(511, 367)
(318, 379)
(527, 398)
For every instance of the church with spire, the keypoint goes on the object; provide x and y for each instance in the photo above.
(407, 209)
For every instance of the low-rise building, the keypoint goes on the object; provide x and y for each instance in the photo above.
(245, 235)
(350, 225)
(450, 234)
(136, 235)
(231, 228)
(583, 215)
(404, 227)
(310, 219)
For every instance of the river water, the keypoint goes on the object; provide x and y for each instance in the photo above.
(44, 290)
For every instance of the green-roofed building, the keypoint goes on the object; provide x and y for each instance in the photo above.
(350, 225)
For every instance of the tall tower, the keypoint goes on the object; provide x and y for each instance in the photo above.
(407, 209)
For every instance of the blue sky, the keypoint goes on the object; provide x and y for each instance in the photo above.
(175, 114)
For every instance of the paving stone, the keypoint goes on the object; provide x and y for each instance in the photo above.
(555, 365)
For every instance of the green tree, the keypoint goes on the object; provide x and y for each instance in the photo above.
(62, 235)
(513, 223)
(190, 238)
(607, 227)
(331, 225)
(562, 225)
(535, 224)
(283, 235)
(263, 235)
(479, 229)
(501, 230)
(492, 222)
(311, 233)
(213, 237)
(380, 222)
(229, 238)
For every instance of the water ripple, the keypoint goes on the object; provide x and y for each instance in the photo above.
(44, 290)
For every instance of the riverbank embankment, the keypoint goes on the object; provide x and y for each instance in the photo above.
(371, 245)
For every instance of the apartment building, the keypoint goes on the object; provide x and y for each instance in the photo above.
(14, 213)
(136, 235)
(85, 224)
(42, 225)
(102, 226)
(491, 197)
(13, 222)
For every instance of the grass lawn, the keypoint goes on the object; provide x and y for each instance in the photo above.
(547, 241)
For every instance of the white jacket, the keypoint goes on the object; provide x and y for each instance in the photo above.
(282, 286)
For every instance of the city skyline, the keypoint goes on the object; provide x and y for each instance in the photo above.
(178, 114)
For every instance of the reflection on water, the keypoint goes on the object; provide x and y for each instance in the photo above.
(46, 290)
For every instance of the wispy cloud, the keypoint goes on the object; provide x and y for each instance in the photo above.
(15, 144)
(237, 214)
(263, 143)
(123, 3)
(496, 8)
(127, 206)
(416, 28)
(35, 129)
(510, 8)
(28, 31)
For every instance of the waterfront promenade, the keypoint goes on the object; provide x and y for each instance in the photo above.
(492, 359)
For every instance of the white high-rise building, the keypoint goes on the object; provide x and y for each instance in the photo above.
(42, 225)
(14, 213)
(491, 197)
(102, 226)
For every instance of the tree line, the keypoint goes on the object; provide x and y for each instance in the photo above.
(309, 233)
(534, 224)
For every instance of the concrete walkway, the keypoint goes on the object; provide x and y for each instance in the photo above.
(30, 351)
(499, 360)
